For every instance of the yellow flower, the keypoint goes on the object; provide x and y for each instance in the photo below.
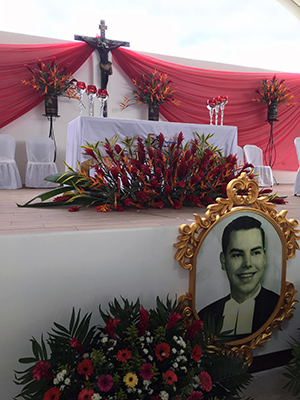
(130, 379)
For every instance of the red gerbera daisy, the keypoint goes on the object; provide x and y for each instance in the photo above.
(196, 353)
(85, 368)
(105, 383)
(86, 394)
(171, 377)
(205, 381)
(52, 394)
(146, 371)
(124, 355)
(162, 351)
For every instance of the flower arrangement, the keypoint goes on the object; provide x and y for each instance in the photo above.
(152, 89)
(136, 354)
(154, 172)
(273, 91)
(49, 78)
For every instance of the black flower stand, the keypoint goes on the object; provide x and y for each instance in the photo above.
(51, 112)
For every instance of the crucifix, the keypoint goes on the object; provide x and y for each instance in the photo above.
(103, 46)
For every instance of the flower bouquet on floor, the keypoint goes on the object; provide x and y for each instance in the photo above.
(135, 354)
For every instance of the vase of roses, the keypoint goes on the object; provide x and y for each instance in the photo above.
(137, 353)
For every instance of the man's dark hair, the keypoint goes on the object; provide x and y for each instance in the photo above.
(238, 224)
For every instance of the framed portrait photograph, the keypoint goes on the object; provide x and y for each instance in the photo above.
(236, 256)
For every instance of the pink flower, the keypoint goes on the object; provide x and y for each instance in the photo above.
(74, 209)
(196, 396)
(205, 381)
(142, 325)
(86, 394)
(41, 371)
(146, 371)
(194, 328)
(105, 383)
(77, 346)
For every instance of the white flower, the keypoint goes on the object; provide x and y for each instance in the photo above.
(164, 395)
(60, 377)
(67, 381)
(96, 396)
(175, 365)
(184, 369)
(110, 349)
(174, 351)
(150, 391)
(175, 338)
(148, 340)
(86, 355)
(55, 381)
(146, 383)
(61, 388)
(104, 340)
(64, 371)
(146, 351)
(150, 358)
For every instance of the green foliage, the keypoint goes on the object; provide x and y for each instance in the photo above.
(293, 370)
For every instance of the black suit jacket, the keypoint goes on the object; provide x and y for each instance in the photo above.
(265, 303)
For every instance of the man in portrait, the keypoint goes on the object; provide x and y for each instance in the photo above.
(243, 258)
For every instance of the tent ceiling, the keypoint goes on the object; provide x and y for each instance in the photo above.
(292, 5)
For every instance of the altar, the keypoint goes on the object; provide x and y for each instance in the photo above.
(93, 129)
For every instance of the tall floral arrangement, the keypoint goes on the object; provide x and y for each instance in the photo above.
(152, 89)
(49, 78)
(136, 354)
(273, 91)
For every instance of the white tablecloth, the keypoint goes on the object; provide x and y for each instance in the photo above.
(92, 129)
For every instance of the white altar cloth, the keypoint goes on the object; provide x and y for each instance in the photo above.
(92, 129)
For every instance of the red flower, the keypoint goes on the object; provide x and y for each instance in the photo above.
(120, 208)
(168, 189)
(162, 351)
(118, 148)
(181, 184)
(125, 180)
(146, 371)
(173, 319)
(146, 170)
(62, 198)
(161, 139)
(142, 196)
(142, 325)
(196, 396)
(171, 377)
(85, 368)
(158, 172)
(77, 346)
(91, 153)
(182, 169)
(124, 355)
(154, 183)
(205, 381)
(194, 328)
(134, 170)
(159, 204)
(179, 139)
(74, 209)
(196, 353)
(193, 199)
(52, 394)
(127, 202)
(177, 204)
(41, 371)
(105, 383)
(86, 394)
(110, 327)
(114, 172)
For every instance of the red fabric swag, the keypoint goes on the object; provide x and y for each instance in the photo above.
(16, 99)
(195, 86)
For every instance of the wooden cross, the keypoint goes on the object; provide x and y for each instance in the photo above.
(103, 46)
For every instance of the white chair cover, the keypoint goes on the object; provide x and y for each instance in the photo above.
(40, 156)
(297, 180)
(254, 155)
(9, 172)
(240, 155)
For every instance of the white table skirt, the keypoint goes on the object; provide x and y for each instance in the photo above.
(92, 129)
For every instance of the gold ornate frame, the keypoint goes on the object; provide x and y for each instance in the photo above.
(242, 196)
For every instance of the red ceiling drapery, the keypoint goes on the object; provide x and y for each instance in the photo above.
(16, 99)
(196, 85)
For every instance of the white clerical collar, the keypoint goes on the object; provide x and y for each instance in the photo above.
(238, 317)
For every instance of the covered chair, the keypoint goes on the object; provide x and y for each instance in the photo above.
(297, 180)
(9, 172)
(240, 155)
(40, 156)
(254, 155)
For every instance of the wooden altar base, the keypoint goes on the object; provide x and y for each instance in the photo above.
(15, 220)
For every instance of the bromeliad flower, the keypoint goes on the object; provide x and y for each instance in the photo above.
(142, 325)
(85, 368)
(124, 355)
(110, 327)
(172, 320)
(162, 351)
(105, 383)
(130, 380)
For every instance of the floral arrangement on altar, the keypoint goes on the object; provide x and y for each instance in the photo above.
(273, 91)
(49, 78)
(137, 354)
(152, 89)
(154, 172)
